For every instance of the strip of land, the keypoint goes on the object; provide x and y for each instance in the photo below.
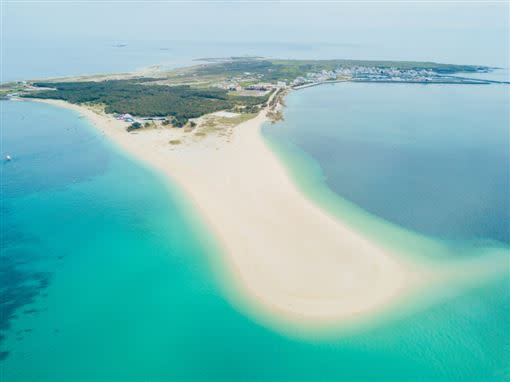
(287, 260)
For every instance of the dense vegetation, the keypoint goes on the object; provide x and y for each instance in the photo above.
(140, 98)
(288, 70)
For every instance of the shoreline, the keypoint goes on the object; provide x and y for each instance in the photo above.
(315, 273)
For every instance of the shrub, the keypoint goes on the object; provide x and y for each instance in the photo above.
(134, 126)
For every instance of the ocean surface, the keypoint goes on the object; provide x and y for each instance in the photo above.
(64, 58)
(108, 274)
(430, 158)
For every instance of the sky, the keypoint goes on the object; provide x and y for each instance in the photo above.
(454, 32)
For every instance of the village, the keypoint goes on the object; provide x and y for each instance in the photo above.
(252, 84)
(377, 74)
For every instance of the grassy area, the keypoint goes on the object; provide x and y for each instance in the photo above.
(10, 88)
(230, 121)
(215, 124)
(275, 116)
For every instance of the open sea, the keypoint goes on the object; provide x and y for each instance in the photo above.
(108, 274)
(430, 158)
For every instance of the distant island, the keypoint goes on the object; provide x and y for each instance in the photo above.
(236, 84)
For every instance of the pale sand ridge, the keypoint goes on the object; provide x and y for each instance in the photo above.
(284, 254)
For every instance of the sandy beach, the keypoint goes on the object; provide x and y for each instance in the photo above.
(284, 256)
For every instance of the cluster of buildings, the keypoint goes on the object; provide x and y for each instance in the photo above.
(261, 86)
(322, 76)
(367, 73)
(125, 117)
(388, 74)
(249, 82)
(355, 73)
(130, 119)
(230, 86)
(257, 86)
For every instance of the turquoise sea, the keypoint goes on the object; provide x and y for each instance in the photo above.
(108, 274)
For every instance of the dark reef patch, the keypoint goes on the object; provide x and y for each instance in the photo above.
(21, 279)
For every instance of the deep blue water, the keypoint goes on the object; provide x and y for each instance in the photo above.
(433, 159)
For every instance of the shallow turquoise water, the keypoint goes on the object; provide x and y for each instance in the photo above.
(110, 276)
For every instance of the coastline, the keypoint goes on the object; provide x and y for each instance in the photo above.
(288, 260)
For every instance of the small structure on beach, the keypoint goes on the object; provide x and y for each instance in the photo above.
(126, 117)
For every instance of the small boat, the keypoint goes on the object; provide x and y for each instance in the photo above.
(8, 158)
